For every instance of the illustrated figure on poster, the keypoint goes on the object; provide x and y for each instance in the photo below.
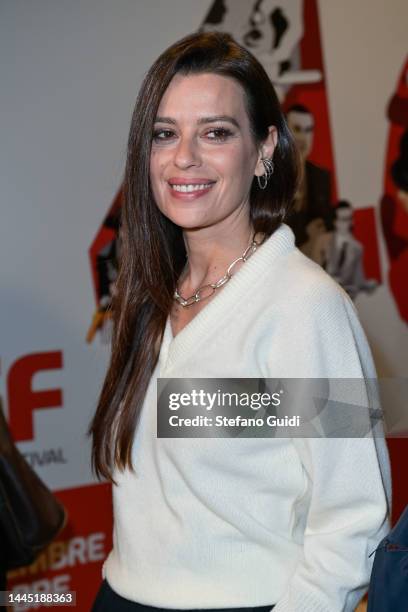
(271, 30)
(107, 263)
(394, 203)
(107, 270)
(341, 255)
(312, 210)
(399, 173)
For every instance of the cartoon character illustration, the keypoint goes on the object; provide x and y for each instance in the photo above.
(399, 172)
(312, 209)
(341, 255)
(107, 263)
(394, 203)
(271, 30)
(105, 253)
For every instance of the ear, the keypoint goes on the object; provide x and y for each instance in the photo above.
(266, 149)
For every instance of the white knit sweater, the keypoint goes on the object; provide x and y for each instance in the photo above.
(234, 522)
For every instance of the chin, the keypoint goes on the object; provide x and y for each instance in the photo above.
(185, 224)
(185, 220)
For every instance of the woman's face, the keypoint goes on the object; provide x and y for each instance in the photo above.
(203, 156)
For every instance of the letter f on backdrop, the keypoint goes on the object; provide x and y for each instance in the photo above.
(22, 399)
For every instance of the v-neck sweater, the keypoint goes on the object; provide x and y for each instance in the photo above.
(244, 522)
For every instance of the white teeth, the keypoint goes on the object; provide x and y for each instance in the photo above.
(190, 188)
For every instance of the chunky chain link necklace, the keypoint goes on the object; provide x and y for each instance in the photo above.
(205, 291)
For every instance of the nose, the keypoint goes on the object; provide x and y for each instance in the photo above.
(186, 153)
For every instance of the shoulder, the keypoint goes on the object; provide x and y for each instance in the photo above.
(312, 319)
(302, 283)
(288, 284)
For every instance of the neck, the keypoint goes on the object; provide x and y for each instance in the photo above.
(211, 250)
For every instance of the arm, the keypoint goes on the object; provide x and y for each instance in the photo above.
(349, 478)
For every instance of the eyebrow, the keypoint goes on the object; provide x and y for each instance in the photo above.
(202, 120)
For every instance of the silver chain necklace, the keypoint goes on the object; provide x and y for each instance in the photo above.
(205, 291)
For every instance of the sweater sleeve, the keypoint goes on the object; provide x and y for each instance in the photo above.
(349, 477)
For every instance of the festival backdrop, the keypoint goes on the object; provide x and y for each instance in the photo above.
(63, 214)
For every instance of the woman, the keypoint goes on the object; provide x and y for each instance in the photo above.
(226, 523)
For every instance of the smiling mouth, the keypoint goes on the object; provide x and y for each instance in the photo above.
(190, 188)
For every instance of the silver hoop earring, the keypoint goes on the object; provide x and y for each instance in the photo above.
(269, 168)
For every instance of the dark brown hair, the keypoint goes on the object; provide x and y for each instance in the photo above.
(153, 252)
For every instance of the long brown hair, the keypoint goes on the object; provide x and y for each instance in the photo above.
(152, 249)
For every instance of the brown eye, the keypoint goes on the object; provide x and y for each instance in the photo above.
(220, 134)
(161, 135)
